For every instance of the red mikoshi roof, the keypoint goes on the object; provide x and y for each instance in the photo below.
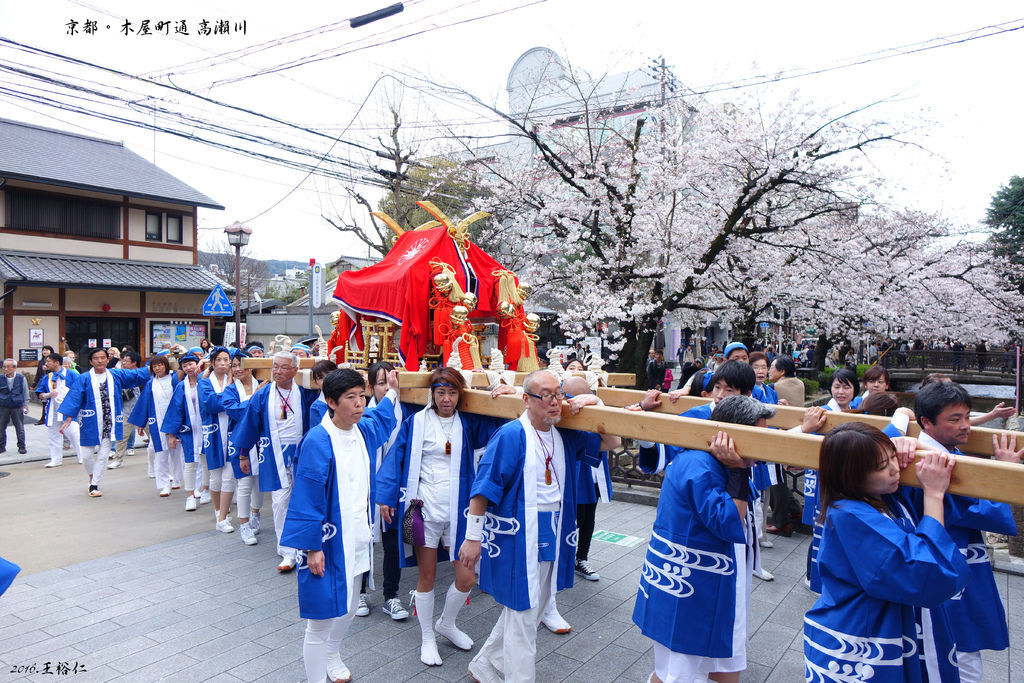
(398, 287)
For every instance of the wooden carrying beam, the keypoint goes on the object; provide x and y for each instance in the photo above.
(976, 477)
(979, 442)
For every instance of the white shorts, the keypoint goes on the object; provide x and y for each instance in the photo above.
(436, 532)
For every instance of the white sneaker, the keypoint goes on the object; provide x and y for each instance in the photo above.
(393, 608)
(248, 537)
(53, 464)
(483, 671)
(131, 451)
(225, 526)
(113, 465)
(190, 504)
(151, 476)
(204, 497)
(165, 491)
(555, 622)
(254, 522)
(363, 610)
(765, 542)
(764, 574)
(175, 485)
(286, 565)
(337, 671)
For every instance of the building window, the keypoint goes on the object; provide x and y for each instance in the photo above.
(154, 227)
(174, 233)
(58, 215)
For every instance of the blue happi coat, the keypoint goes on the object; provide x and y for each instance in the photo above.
(885, 577)
(811, 506)
(314, 519)
(695, 579)
(655, 458)
(177, 421)
(47, 384)
(81, 402)
(507, 478)
(253, 429)
(765, 393)
(144, 413)
(216, 423)
(399, 473)
(979, 620)
(235, 402)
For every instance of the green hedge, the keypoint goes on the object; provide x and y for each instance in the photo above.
(810, 386)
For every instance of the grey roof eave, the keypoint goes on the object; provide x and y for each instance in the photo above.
(210, 204)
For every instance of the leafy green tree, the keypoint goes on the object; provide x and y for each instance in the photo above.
(1005, 216)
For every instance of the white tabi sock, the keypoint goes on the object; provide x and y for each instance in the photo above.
(453, 602)
(425, 613)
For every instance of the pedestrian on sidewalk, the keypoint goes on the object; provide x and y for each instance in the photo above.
(40, 373)
(129, 361)
(13, 404)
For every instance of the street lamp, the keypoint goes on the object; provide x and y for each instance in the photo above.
(238, 237)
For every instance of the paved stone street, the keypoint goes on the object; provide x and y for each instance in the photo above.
(203, 606)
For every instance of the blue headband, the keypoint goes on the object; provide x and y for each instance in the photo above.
(250, 347)
(301, 347)
(187, 357)
(237, 353)
(442, 384)
(163, 352)
(707, 380)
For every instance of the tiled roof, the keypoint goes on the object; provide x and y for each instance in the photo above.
(20, 267)
(55, 157)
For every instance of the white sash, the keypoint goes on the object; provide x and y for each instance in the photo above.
(195, 422)
(273, 404)
(99, 405)
(530, 504)
(222, 417)
(348, 543)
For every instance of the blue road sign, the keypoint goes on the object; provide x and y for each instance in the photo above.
(218, 303)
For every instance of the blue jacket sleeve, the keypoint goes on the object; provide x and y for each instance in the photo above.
(389, 476)
(482, 427)
(377, 424)
(500, 464)
(650, 458)
(132, 378)
(307, 508)
(247, 430)
(209, 400)
(980, 514)
(923, 568)
(75, 398)
(232, 403)
(140, 413)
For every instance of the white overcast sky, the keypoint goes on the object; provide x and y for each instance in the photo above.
(970, 93)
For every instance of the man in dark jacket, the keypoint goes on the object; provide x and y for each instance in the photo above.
(40, 372)
(13, 404)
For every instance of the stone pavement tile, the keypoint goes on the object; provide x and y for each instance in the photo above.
(49, 578)
(21, 640)
(770, 643)
(285, 637)
(212, 610)
(634, 640)
(114, 650)
(791, 609)
(94, 617)
(163, 669)
(596, 607)
(17, 629)
(268, 662)
(1001, 657)
(53, 656)
(102, 635)
(605, 665)
(583, 644)
(623, 589)
(94, 674)
(44, 648)
(789, 668)
(620, 567)
(555, 667)
(758, 613)
(82, 592)
(156, 609)
(400, 667)
(640, 670)
(217, 661)
(995, 673)
(292, 671)
(28, 595)
(363, 662)
(755, 673)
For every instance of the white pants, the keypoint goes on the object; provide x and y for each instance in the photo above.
(323, 638)
(512, 646)
(279, 503)
(168, 465)
(243, 497)
(256, 501)
(675, 667)
(970, 666)
(222, 479)
(94, 459)
(56, 441)
(196, 473)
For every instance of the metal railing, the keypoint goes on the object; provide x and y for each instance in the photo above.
(996, 362)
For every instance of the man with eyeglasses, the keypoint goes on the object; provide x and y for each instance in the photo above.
(275, 421)
(523, 510)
